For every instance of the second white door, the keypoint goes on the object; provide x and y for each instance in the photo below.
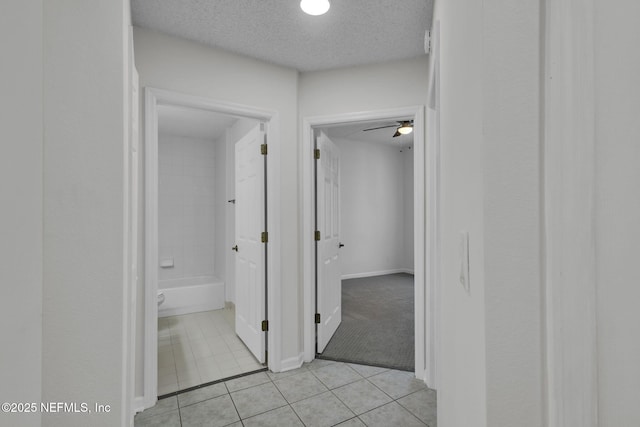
(329, 285)
(250, 250)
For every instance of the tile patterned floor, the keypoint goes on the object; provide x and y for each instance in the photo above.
(197, 348)
(320, 393)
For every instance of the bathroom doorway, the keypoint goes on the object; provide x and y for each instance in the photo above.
(197, 340)
(204, 316)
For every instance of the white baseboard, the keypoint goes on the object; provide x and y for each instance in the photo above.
(138, 404)
(376, 273)
(292, 363)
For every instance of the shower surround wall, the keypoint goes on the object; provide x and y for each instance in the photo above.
(186, 225)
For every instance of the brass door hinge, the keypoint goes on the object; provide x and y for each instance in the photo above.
(316, 154)
(265, 237)
(317, 320)
(263, 149)
(317, 235)
(265, 325)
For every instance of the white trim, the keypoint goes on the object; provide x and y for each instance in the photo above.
(132, 168)
(571, 392)
(138, 404)
(306, 221)
(153, 97)
(433, 240)
(292, 363)
(150, 365)
(375, 273)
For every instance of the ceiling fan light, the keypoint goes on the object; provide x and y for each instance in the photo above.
(315, 7)
(405, 130)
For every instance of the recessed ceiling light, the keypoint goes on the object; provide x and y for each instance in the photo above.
(315, 7)
(405, 129)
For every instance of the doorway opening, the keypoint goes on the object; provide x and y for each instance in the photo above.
(424, 288)
(364, 257)
(209, 194)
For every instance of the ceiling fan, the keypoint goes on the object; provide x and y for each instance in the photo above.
(404, 127)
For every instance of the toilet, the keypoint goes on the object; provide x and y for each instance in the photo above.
(160, 298)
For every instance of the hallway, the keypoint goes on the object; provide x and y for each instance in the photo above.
(320, 393)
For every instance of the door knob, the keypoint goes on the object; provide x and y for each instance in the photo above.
(235, 248)
(340, 245)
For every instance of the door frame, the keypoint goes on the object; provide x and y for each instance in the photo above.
(154, 97)
(425, 287)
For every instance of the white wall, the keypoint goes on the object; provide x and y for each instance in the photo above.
(461, 356)
(171, 63)
(617, 128)
(221, 244)
(373, 87)
(513, 211)
(21, 192)
(490, 355)
(186, 205)
(85, 121)
(373, 213)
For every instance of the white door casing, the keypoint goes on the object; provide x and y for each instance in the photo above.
(250, 250)
(423, 311)
(153, 97)
(329, 285)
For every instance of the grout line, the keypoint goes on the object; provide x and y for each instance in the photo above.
(207, 384)
(272, 409)
(294, 411)
(234, 404)
(385, 393)
(345, 405)
(179, 411)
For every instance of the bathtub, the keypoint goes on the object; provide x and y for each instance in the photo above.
(190, 295)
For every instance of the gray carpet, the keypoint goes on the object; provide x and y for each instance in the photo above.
(377, 323)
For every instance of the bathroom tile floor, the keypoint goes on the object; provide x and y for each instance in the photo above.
(198, 348)
(320, 393)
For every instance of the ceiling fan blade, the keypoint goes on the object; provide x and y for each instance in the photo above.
(381, 127)
(396, 134)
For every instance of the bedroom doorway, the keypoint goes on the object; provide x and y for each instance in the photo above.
(365, 255)
(425, 287)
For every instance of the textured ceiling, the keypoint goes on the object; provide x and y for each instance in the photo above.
(353, 32)
(192, 123)
(380, 136)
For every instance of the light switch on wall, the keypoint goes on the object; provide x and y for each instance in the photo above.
(464, 260)
(166, 263)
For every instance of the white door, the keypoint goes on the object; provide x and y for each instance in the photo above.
(329, 285)
(250, 251)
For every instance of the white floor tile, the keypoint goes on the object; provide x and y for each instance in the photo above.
(186, 366)
(200, 349)
(241, 353)
(168, 388)
(236, 345)
(165, 358)
(246, 360)
(228, 364)
(218, 346)
(167, 370)
(224, 357)
(164, 380)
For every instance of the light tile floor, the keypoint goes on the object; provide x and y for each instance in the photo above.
(320, 393)
(198, 348)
